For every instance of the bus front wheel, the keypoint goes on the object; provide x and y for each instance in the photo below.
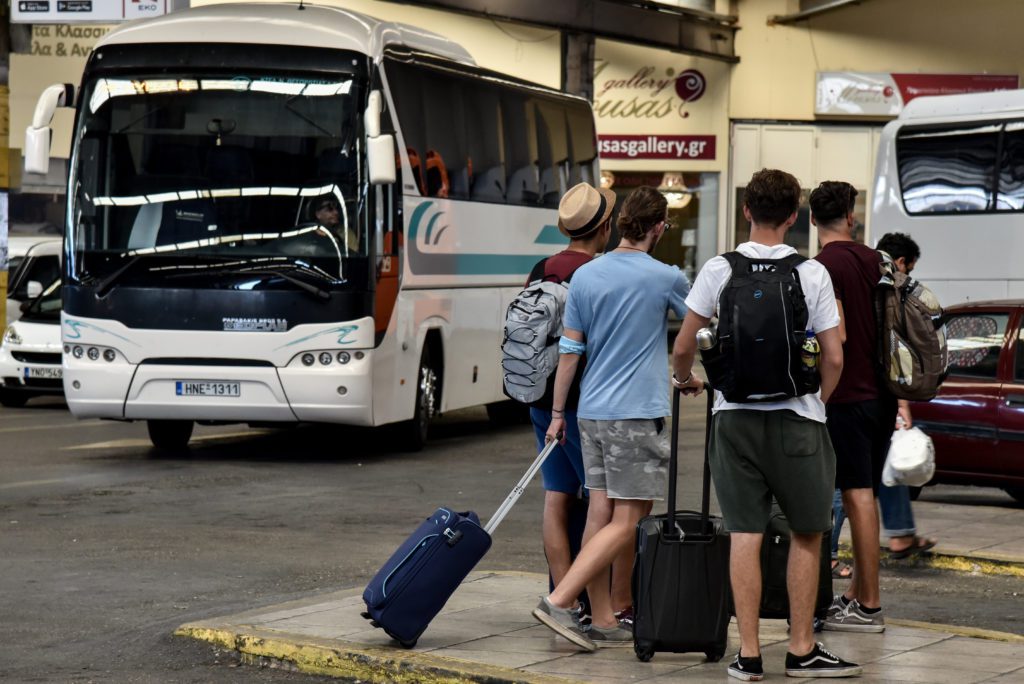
(169, 435)
(415, 430)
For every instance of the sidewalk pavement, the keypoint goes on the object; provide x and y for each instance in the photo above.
(486, 634)
(970, 533)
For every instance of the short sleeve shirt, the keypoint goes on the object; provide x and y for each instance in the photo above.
(822, 315)
(855, 274)
(620, 303)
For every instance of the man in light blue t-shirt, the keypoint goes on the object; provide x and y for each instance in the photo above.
(616, 313)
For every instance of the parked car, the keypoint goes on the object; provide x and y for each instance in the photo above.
(977, 420)
(33, 262)
(30, 352)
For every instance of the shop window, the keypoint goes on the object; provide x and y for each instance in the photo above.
(974, 341)
(947, 171)
(692, 212)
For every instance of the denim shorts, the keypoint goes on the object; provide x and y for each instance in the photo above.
(563, 469)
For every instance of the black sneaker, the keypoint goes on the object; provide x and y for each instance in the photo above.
(747, 669)
(819, 663)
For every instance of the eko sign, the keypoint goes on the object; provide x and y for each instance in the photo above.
(852, 93)
(90, 11)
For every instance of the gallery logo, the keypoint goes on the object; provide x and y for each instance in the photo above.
(690, 85)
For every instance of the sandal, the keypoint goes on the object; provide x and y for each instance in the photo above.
(917, 545)
(841, 570)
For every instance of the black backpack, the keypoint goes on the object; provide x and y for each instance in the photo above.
(762, 324)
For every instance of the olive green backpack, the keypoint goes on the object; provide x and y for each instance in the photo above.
(912, 336)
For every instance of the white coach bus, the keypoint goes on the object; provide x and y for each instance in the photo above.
(279, 215)
(950, 173)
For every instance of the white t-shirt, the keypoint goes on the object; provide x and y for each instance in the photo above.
(822, 314)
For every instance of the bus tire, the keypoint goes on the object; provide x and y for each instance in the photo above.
(12, 399)
(169, 435)
(414, 432)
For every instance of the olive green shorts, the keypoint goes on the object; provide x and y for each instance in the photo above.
(756, 455)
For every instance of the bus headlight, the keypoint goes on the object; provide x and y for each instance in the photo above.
(77, 352)
(94, 353)
(109, 355)
(308, 359)
(325, 358)
(344, 357)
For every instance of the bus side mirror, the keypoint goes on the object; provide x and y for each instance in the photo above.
(380, 148)
(37, 135)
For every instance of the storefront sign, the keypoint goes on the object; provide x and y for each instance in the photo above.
(656, 146)
(90, 11)
(851, 94)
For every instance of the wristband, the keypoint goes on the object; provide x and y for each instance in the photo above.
(682, 382)
(569, 346)
(558, 411)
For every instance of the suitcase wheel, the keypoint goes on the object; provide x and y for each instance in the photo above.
(364, 615)
(714, 656)
(374, 623)
(643, 653)
(408, 644)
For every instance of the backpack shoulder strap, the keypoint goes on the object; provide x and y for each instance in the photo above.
(790, 262)
(738, 262)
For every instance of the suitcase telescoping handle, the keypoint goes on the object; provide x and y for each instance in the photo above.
(518, 490)
(673, 466)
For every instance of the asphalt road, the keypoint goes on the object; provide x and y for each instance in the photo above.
(106, 547)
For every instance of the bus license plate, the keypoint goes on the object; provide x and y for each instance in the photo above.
(207, 388)
(44, 373)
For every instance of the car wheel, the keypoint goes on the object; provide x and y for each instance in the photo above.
(12, 399)
(1016, 492)
(169, 435)
(414, 432)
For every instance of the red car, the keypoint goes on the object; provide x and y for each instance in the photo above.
(977, 420)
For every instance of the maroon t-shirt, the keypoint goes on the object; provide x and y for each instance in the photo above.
(854, 271)
(561, 266)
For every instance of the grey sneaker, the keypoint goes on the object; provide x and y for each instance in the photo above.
(836, 608)
(854, 619)
(561, 622)
(612, 637)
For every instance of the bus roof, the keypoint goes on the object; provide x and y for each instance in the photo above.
(998, 104)
(284, 24)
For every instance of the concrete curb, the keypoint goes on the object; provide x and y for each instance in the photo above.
(972, 632)
(359, 662)
(948, 561)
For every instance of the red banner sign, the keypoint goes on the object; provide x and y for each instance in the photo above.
(656, 146)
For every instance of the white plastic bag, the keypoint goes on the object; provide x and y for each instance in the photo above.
(911, 459)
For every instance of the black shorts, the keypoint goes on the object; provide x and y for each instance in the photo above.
(860, 433)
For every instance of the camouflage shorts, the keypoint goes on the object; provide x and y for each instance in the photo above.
(626, 458)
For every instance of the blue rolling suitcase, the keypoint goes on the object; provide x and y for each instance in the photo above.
(416, 582)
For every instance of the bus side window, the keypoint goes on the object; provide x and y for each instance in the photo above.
(484, 144)
(553, 152)
(583, 144)
(520, 149)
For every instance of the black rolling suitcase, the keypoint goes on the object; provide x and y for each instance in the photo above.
(681, 571)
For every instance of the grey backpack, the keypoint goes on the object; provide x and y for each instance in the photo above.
(529, 349)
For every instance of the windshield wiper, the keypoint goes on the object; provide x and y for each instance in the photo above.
(108, 282)
(269, 269)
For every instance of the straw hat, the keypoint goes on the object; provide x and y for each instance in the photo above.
(583, 208)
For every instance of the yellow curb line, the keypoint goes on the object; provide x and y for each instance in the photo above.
(941, 561)
(360, 662)
(972, 632)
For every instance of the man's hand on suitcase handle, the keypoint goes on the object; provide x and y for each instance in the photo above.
(691, 386)
(556, 430)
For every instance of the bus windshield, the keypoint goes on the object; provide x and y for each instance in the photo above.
(205, 175)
